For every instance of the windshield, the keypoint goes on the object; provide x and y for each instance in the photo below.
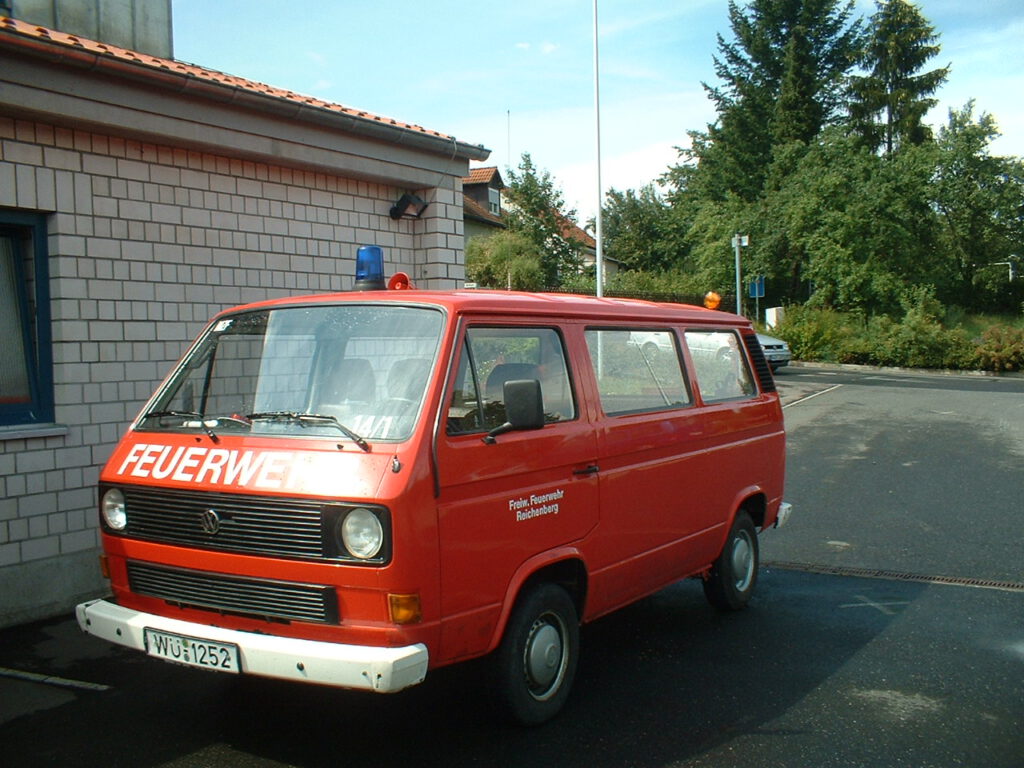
(355, 372)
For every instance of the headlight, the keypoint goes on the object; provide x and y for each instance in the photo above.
(112, 508)
(362, 533)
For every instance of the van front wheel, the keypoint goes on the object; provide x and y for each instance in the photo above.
(536, 661)
(733, 575)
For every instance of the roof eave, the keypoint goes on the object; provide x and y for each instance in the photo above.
(181, 82)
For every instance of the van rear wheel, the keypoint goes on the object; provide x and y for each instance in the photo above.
(733, 575)
(536, 661)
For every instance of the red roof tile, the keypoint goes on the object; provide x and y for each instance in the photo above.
(474, 210)
(572, 231)
(484, 176)
(14, 31)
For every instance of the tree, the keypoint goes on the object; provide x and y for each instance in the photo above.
(505, 260)
(833, 220)
(537, 211)
(889, 103)
(638, 229)
(781, 80)
(797, 115)
(980, 198)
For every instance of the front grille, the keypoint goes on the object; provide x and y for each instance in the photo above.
(259, 598)
(265, 525)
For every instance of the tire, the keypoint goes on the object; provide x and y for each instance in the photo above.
(733, 575)
(536, 661)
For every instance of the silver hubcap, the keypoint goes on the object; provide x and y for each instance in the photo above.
(743, 561)
(544, 657)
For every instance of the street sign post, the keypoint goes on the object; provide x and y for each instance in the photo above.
(757, 293)
(757, 287)
(739, 241)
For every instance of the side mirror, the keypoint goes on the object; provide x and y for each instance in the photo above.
(524, 408)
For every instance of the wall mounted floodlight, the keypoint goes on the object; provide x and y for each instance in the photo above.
(409, 206)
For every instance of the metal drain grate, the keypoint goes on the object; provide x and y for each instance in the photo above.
(875, 573)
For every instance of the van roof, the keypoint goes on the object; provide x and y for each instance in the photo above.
(470, 302)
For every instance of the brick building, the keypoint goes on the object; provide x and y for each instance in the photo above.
(138, 196)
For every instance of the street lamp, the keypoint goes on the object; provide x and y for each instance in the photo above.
(739, 241)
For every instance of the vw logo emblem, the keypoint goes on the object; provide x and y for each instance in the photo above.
(210, 521)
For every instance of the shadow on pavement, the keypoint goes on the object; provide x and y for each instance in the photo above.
(661, 681)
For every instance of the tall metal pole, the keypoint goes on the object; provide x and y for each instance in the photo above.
(736, 245)
(599, 263)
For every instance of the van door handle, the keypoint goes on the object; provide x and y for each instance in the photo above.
(592, 469)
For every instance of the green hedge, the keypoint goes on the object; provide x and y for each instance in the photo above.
(918, 340)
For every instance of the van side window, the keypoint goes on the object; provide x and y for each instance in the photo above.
(492, 356)
(720, 365)
(636, 370)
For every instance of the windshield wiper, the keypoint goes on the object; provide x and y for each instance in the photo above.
(310, 418)
(183, 414)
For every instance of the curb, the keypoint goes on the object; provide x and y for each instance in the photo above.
(923, 371)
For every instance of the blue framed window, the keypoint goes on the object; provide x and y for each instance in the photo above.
(26, 353)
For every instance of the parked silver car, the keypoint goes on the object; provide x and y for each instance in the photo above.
(776, 351)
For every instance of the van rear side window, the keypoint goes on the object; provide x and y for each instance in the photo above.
(493, 356)
(720, 365)
(636, 370)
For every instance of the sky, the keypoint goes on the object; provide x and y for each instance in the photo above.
(518, 76)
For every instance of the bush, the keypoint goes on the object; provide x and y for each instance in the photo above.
(824, 335)
(504, 260)
(1001, 349)
(919, 340)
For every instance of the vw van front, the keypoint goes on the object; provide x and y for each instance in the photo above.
(248, 515)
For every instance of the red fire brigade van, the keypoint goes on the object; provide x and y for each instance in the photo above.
(354, 489)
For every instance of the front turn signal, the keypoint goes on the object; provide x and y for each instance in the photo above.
(405, 609)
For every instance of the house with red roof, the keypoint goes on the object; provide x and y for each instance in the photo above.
(139, 195)
(481, 202)
(484, 215)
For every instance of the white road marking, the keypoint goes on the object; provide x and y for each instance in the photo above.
(866, 602)
(812, 396)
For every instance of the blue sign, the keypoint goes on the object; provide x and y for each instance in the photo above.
(757, 287)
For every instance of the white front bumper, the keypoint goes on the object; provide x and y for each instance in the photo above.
(785, 510)
(372, 668)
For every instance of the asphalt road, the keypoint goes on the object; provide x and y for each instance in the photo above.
(904, 471)
(887, 630)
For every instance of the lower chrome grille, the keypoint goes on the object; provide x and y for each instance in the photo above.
(259, 598)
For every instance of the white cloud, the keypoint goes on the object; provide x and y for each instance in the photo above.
(548, 48)
(631, 169)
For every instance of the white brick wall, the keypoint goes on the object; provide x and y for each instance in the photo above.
(146, 243)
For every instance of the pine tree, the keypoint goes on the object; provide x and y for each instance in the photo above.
(781, 80)
(797, 115)
(888, 105)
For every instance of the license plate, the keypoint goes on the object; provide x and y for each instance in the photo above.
(193, 651)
